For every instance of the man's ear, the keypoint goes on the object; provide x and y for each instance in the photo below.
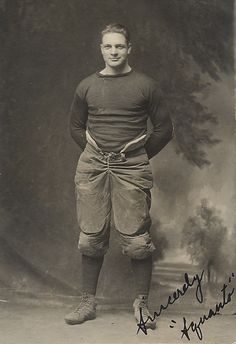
(129, 48)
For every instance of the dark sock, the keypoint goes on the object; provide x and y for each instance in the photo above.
(91, 267)
(142, 269)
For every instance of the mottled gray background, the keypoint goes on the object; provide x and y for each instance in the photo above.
(47, 48)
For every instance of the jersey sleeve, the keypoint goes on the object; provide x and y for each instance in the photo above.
(78, 119)
(162, 125)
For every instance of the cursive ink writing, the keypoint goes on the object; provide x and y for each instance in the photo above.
(196, 327)
(174, 297)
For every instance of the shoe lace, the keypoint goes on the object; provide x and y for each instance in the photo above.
(142, 304)
(85, 302)
(145, 311)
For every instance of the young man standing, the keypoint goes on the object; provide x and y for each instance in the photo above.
(113, 176)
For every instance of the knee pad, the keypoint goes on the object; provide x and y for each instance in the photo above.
(137, 247)
(93, 245)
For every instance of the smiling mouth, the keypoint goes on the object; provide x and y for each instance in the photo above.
(115, 59)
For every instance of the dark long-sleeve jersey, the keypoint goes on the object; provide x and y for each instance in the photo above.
(115, 109)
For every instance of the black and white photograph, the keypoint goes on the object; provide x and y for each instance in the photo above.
(117, 172)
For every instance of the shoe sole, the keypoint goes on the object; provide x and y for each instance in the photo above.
(69, 322)
(151, 326)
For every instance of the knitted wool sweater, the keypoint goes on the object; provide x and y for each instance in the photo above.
(115, 109)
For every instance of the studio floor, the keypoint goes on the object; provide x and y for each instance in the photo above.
(27, 323)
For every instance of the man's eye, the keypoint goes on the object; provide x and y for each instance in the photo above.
(107, 46)
(120, 46)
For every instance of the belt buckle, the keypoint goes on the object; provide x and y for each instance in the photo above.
(112, 156)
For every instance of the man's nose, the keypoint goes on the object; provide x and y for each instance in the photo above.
(113, 51)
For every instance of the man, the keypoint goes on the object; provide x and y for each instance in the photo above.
(113, 176)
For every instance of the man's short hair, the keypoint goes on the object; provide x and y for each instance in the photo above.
(118, 28)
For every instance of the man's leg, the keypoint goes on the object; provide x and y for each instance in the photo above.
(93, 212)
(91, 267)
(142, 269)
(93, 248)
(132, 220)
(86, 310)
(139, 248)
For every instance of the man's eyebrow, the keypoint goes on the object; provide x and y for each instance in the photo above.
(116, 45)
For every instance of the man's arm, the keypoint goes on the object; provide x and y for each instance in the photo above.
(78, 120)
(162, 125)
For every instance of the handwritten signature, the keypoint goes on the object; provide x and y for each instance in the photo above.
(195, 327)
(174, 297)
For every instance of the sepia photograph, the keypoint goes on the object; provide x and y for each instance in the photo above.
(117, 172)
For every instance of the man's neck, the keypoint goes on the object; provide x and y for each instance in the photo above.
(114, 71)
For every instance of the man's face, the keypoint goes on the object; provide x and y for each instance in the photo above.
(115, 49)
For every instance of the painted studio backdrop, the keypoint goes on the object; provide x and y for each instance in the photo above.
(47, 48)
